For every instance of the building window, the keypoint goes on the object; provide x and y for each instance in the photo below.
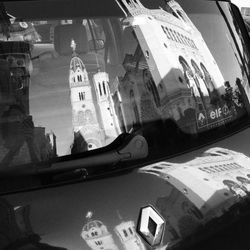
(168, 34)
(163, 28)
(100, 89)
(182, 39)
(186, 70)
(175, 15)
(98, 243)
(185, 40)
(183, 17)
(171, 34)
(125, 233)
(81, 96)
(104, 88)
(79, 78)
(177, 36)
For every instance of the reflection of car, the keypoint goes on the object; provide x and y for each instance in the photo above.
(124, 125)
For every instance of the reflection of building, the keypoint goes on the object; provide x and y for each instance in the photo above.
(173, 63)
(46, 143)
(128, 236)
(83, 106)
(182, 217)
(20, 141)
(23, 143)
(200, 183)
(97, 236)
(106, 105)
(94, 119)
(15, 74)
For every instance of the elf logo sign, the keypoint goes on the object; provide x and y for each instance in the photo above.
(213, 118)
(217, 113)
(220, 112)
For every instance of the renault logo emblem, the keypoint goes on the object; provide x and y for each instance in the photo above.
(151, 226)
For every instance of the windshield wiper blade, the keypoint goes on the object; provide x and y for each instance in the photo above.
(133, 147)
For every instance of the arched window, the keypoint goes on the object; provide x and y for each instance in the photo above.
(207, 78)
(78, 78)
(163, 28)
(104, 88)
(172, 34)
(203, 90)
(197, 75)
(185, 40)
(186, 69)
(100, 89)
(81, 96)
(182, 39)
(182, 16)
(125, 233)
(179, 37)
(175, 15)
(196, 69)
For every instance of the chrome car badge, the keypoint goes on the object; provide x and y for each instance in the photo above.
(151, 226)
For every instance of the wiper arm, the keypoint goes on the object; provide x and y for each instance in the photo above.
(133, 147)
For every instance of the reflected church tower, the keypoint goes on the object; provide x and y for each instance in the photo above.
(84, 114)
(96, 235)
(106, 105)
(128, 236)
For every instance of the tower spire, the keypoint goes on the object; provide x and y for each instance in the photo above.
(89, 215)
(73, 46)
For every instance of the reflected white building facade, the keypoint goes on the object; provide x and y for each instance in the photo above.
(173, 63)
(128, 236)
(212, 182)
(200, 190)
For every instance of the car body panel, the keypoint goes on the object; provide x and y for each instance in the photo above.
(59, 214)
